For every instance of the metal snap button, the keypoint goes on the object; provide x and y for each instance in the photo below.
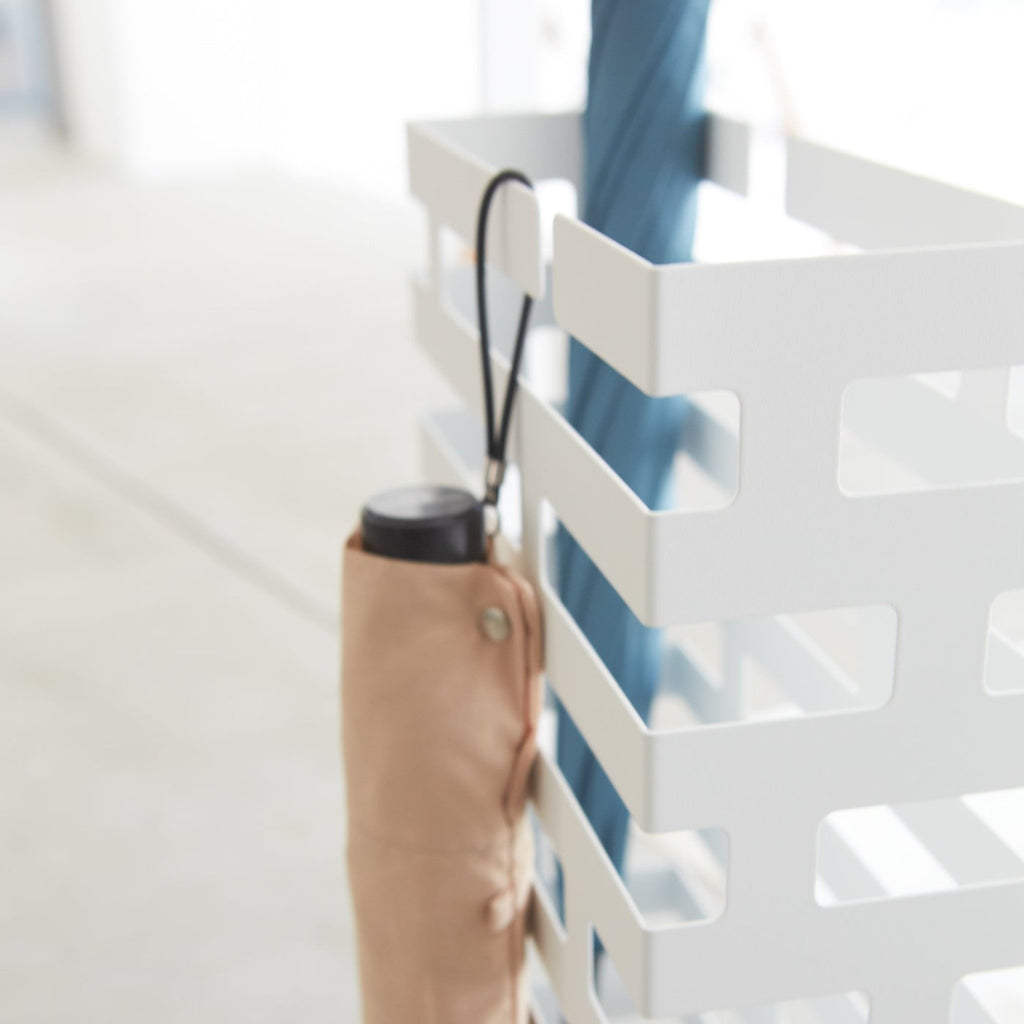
(494, 624)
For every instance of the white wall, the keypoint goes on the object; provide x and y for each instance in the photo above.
(84, 47)
(318, 86)
(934, 85)
(323, 87)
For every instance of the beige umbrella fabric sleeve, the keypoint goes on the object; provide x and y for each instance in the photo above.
(441, 694)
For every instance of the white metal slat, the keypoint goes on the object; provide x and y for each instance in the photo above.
(596, 704)
(451, 183)
(450, 163)
(874, 206)
(687, 328)
(612, 914)
(853, 774)
(727, 159)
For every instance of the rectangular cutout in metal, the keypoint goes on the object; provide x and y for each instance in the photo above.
(547, 869)
(990, 997)
(785, 666)
(707, 463)
(677, 877)
(888, 852)
(927, 432)
(1004, 658)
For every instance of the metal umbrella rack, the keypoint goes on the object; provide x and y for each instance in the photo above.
(860, 562)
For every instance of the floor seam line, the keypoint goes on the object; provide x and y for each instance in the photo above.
(157, 505)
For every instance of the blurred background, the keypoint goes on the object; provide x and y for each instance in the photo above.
(205, 366)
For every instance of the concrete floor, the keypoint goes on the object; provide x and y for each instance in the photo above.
(199, 383)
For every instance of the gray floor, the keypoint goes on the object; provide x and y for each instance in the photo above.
(199, 381)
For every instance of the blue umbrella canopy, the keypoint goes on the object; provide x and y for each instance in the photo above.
(643, 145)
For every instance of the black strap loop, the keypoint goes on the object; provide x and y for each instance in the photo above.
(497, 441)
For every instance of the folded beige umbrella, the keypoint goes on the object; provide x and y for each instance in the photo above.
(441, 693)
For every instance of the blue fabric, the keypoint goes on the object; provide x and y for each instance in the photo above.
(643, 144)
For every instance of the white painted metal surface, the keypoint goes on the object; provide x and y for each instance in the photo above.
(855, 489)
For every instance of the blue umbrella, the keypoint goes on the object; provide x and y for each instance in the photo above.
(643, 143)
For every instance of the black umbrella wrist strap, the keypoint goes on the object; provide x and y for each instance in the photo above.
(497, 440)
